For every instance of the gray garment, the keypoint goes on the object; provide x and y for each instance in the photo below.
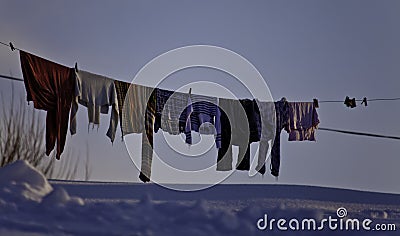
(234, 129)
(171, 112)
(268, 123)
(97, 93)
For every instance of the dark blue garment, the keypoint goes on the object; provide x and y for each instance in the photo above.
(162, 97)
(202, 111)
(282, 118)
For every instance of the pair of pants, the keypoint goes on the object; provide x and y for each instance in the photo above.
(240, 122)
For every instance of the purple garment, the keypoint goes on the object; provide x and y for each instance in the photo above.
(202, 111)
(302, 121)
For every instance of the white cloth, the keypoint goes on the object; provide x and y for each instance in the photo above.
(97, 93)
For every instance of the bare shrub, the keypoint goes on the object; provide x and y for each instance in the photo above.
(22, 133)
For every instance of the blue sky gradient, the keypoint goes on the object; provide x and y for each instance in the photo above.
(303, 49)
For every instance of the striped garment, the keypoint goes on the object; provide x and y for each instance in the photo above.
(137, 115)
(121, 89)
(203, 117)
(147, 140)
(169, 107)
(133, 99)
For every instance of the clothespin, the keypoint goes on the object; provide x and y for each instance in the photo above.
(364, 101)
(316, 105)
(347, 101)
(12, 46)
(350, 102)
(76, 67)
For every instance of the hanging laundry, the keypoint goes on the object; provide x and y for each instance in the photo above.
(162, 97)
(282, 118)
(147, 136)
(50, 86)
(364, 101)
(133, 99)
(188, 123)
(202, 119)
(137, 115)
(240, 125)
(350, 102)
(224, 160)
(122, 88)
(302, 121)
(268, 120)
(97, 93)
(169, 107)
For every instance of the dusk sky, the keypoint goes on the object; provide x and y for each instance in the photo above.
(303, 50)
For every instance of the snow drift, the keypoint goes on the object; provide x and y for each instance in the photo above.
(21, 181)
(29, 205)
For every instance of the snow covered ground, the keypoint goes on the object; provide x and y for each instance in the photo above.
(32, 205)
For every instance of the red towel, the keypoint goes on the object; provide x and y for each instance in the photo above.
(50, 87)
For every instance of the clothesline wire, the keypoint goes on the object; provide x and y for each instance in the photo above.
(327, 101)
(325, 129)
(359, 133)
(11, 78)
(319, 101)
(323, 101)
(360, 100)
(8, 45)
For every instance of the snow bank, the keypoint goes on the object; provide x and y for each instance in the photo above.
(59, 197)
(29, 205)
(21, 181)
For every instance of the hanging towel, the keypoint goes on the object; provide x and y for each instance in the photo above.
(97, 93)
(267, 133)
(240, 122)
(50, 86)
(137, 115)
(303, 121)
(203, 117)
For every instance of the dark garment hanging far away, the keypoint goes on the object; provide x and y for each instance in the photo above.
(50, 86)
(282, 117)
(235, 116)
